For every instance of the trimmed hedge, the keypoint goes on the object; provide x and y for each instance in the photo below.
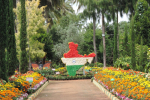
(52, 77)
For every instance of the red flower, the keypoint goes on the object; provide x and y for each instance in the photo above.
(127, 65)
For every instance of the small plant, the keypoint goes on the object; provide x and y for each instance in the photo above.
(30, 91)
(92, 79)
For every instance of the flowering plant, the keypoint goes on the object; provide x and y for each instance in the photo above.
(19, 85)
(124, 84)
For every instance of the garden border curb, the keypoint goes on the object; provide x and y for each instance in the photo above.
(110, 95)
(38, 91)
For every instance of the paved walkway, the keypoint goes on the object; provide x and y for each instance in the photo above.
(71, 90)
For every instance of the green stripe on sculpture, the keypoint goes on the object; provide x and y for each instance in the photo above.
(71, 69)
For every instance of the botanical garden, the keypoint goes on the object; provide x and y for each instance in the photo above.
(47, 40)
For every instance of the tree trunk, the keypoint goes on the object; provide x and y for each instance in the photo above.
(30, 63)
(103, 35)
(17, 2)
(94, 40)
(29, 57)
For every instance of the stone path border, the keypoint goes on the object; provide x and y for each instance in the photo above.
(38, 91)
(110, 95)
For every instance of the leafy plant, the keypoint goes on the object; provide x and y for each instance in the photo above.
(123, 62)
(147, 67)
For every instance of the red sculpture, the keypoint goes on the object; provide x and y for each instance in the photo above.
(73, 52)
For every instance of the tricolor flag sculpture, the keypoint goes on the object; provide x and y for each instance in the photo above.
(75, 61)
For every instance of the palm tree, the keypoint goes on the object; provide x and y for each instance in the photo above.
(102, 7)
(90, 11)
(130, 7)
(55, 9)
(105, 6)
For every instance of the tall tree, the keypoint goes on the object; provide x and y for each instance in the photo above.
(92, 12)
(23, 40)
(118, 6)
(115, 55)
(125, 42)
(105, 9)
(3, 19)
(11, 43)
(132, 32)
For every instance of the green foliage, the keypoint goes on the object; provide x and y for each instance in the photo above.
(123, 62)
(45, 72)
(97, 64)
(132, 32)
(123, 25)
(62, 77)
(47, 40)
(64, 21)
(142, 22)
(141, 54)
(87, 45)
(147, 67)
(69, 34)
(54, 34)
(91, 65)
(56, 65)
(23, 40)
(3, 38)
(115, 52)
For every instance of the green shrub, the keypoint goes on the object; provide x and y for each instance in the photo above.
(59, 77)
(97, 64)
(91, 65)
(123, 62)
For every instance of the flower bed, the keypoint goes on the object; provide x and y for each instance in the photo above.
(19, 88)
(125, 84)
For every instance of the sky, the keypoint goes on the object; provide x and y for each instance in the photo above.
(124, 18)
